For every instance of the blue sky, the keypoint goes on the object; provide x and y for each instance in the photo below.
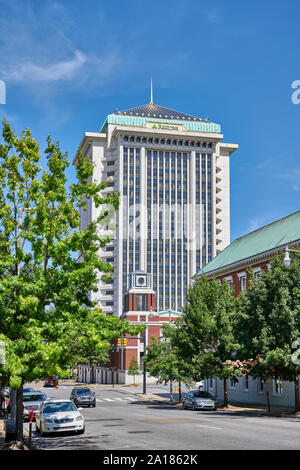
(68, 64)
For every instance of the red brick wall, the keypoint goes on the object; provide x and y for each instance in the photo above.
(236, 280)
(128, 355)
(153, 330)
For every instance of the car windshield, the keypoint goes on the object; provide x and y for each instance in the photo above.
(34, 397)
(29, 389)
(202, 395)
(83, 391)
(59, 407)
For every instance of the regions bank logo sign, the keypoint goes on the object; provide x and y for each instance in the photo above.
(164, 126)
(2, 92)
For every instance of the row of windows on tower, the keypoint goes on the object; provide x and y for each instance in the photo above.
(151, 140)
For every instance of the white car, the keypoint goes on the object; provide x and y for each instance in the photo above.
(59, 416)
(199, 385)
(32, 402)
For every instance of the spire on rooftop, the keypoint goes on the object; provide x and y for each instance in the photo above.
(151, 96)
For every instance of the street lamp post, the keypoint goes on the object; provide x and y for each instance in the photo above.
(144, 362)
(176, 312)
(287, 260)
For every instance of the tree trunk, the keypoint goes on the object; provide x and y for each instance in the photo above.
(93, 374)
(225, 393)
(297, 401)
(12, 403)
(179, 390)
(171, 390)
(19, 413)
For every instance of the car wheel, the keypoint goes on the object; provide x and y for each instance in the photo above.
(183, 405)
(94, 405)
(81, 431)
(193, 407)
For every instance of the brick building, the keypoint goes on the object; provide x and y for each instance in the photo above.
(139, 308)
(244, 258)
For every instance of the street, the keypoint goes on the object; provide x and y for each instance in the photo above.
(125, 422)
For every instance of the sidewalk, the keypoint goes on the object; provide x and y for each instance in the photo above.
(234, 408)
(2, 433)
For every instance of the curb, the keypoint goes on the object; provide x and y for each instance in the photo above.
(152, 398)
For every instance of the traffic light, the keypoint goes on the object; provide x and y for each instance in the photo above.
(124, 341)
(119, 342)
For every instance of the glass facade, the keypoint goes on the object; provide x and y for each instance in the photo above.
(131, 226)
(167, 183)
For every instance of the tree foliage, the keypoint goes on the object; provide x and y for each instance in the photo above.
(134, 367)
(48, 263)
(205, 336)
(268, 322)
(163, 358)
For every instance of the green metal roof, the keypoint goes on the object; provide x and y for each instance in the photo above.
(276, 234)
(198, 125)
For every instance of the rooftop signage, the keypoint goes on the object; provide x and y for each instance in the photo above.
(164, 126)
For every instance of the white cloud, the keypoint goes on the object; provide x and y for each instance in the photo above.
(31, 72)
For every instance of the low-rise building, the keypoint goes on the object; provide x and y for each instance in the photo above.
(139, 309)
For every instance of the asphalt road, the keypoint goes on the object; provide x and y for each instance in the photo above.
(124, 422)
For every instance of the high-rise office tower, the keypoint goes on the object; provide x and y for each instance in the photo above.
(172, 172)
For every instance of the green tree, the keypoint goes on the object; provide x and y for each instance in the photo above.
(205, 337)
(134, 368)
(48, 264)
(86, 347)
(268, 324)
(163, 359)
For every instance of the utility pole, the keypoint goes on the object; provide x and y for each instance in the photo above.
(144, 364)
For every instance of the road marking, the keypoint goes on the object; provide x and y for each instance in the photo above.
(115, 399)
(204, 426)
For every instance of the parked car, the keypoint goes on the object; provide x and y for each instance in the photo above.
(4, 398)
(59, 416)
(199, 400)
(199, 385)
(83, 396)
(32, 401)
(48, 383)
(29, 389)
